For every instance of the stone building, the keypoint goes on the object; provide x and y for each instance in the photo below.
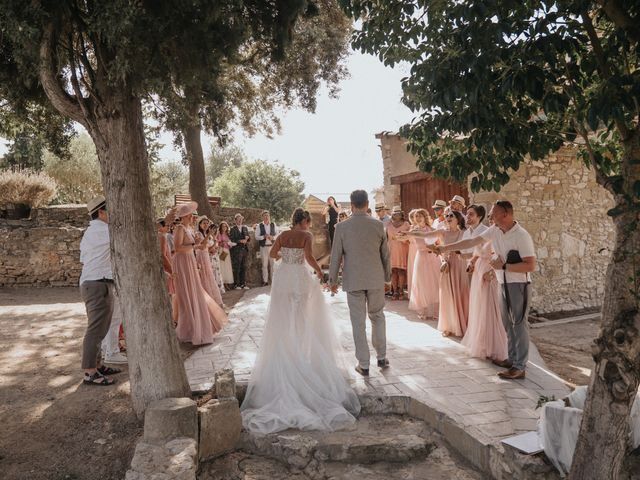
(557, 200)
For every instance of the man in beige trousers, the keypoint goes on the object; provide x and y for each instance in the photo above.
(361, 242)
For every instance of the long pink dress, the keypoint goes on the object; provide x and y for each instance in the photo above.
(199, 316)
(411, 258)
(398, 249)
(206, 272)
(485, 337)
(425, 286)
(454, 292)
(166, 257)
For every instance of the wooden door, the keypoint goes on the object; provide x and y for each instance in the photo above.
(424, 192)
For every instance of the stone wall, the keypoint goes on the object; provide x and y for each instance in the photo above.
(559, 202)
(43, 250)
(396, 160)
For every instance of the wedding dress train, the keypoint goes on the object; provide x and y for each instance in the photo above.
(296, 381)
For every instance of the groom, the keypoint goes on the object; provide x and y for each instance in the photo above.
(362, 243)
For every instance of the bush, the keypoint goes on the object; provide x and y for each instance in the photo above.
(24, 186)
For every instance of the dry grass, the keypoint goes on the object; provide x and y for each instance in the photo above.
(24, 186)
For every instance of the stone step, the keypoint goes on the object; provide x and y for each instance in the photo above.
(372, 439)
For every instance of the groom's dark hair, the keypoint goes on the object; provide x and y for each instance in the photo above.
(359, 198)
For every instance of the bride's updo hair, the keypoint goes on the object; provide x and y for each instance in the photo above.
(300, 214)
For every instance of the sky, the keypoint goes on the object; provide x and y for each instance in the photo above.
(334, 149)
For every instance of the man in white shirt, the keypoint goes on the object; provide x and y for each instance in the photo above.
(438, 210)
(382, 215)
(266, 233)
(514, 260)
(474, 218)
(97, 291)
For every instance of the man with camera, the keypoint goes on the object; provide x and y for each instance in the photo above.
(514, 260)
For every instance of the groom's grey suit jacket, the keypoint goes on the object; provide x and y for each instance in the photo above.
(362, 242)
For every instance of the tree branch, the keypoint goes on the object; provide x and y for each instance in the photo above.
(82, 101)
(603, 65)
(621, 18)
(61, 100)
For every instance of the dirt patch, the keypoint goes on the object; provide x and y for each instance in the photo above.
(53, 426)
(566, 349)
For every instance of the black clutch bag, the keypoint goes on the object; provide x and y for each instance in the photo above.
(513, 256)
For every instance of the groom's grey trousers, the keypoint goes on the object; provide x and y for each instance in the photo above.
(362, 303)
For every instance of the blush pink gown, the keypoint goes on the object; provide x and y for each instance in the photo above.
(485, 337)
(425, 285)
(206, 272)
(398, 250)
(199, 316)
(411, 258)
(454, 292)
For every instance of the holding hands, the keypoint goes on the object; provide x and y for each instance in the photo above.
(497, 262)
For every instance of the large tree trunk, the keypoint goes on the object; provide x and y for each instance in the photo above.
(156, 370)
(604, 432)
(197, 175)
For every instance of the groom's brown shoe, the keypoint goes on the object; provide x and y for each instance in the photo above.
(512, 374)
(362, 371)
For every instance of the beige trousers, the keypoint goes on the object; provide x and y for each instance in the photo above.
(362, 303)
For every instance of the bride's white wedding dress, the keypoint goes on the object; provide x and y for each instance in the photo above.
(296, 381)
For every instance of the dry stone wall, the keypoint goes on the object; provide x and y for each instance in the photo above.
(563, 208)
(43, 250)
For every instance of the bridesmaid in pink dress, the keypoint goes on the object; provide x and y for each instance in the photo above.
(204, 262)
(425, 286)
(398, 252)
(163, 229)
(198, 316)
(413, 249)
(453, 310)
(485, 337)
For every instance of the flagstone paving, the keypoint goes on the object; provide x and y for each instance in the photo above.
(424, 365)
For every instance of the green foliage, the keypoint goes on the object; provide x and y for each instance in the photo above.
(261, 184)
(27, 187)
(495, 82)
(167, 179)
(77, 174)
(221, 158)
(24, 152)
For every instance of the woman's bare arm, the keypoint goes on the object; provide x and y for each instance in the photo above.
(308, 253)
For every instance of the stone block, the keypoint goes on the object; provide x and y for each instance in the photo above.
(225, 384)
(170, 418)
(175, 460)
(220, 427)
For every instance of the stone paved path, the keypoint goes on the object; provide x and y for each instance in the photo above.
(424, 365)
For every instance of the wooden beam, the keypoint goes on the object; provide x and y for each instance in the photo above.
(410, 177)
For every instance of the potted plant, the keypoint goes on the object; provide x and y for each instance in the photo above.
(22, 190)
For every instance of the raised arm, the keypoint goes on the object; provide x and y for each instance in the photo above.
(275, 250)
(431, 234)
(461, 245)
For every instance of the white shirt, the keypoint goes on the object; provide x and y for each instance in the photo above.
(439, 224)
(95, 255)
(471, 233)
(267, 231)
(516, 238)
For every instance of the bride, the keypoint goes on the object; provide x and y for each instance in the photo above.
(296, 381)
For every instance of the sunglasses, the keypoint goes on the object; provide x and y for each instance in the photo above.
(449, 215)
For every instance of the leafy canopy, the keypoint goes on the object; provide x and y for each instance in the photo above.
(261, 184)
(494, 81)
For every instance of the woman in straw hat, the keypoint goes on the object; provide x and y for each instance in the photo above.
(198, 316)
(207, 278)
(398, 251)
